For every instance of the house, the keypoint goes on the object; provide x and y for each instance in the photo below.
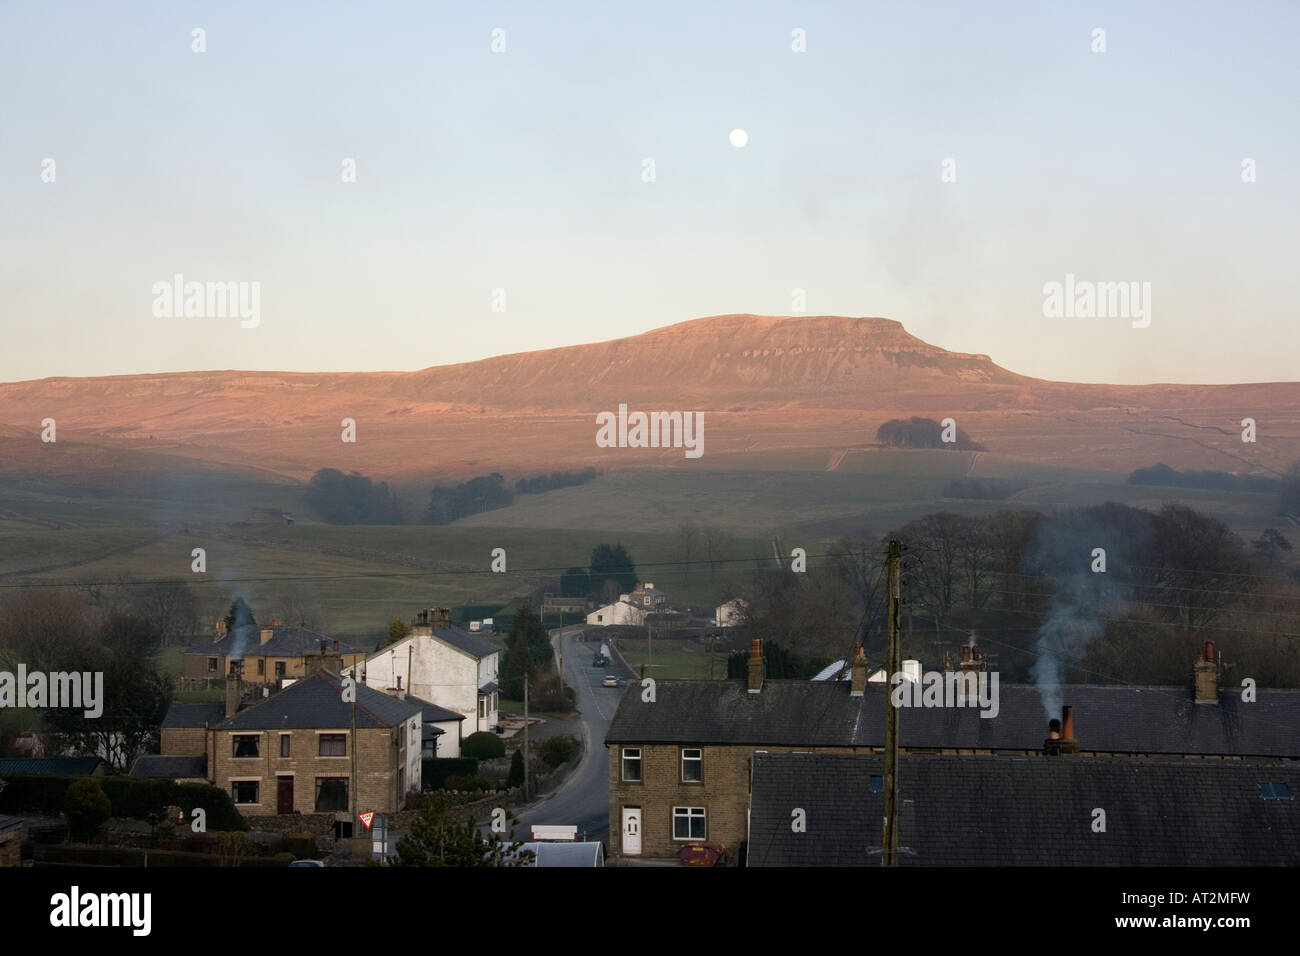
(441, 734)
(622, 613)
(647, 596)
(11, 840)
(822, 809)
(270, 653)
(731, 614)
(447, 665)
(91, 766)
(680, 763)
(185, 727)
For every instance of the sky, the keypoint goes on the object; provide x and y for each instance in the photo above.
(524, 169)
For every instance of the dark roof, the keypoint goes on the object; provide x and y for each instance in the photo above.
(432, 712)
(160, 767)
(475, 645)
(10, 823)
(70, 766)
(1107, 719)
(317, 702)
(1024, 811)
(488, 688)
(194, 715)
(285, 642)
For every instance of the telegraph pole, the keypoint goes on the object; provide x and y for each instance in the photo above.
(525, 735)
(889, 837)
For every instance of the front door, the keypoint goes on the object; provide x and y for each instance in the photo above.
(631, 831)
(284, 795)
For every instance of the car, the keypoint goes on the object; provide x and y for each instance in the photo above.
(610, 681)
(599, 661)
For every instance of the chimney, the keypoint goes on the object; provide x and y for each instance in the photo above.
(220, 631)
(439, 617)
(234, 687)
(1205, 676)
(858, 673)
(970, 656)
(755, 666)
(277, 622)
(400, 694)
(1060, 734)
(336, 647)
(267, 634)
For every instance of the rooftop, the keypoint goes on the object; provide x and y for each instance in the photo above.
(317, 702)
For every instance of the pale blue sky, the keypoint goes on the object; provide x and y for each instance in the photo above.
(522, 170)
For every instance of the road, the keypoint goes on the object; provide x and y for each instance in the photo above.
(583, 799)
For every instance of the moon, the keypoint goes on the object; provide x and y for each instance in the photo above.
(739, 138)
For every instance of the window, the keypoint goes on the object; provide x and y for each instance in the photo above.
(692, 765)
(877, 783)
(244, 791)
(279, 668)
(247, 745)
(261, 667)
(689, 823)
(482, 708)
(212, 665)
(1275, 791)
(331, 794)
(632, 764)
(284, 744)
(334, 745)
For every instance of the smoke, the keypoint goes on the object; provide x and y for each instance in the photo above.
(1082, 598)
(241, 630)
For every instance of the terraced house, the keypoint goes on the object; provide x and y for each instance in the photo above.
(681, 764)
(270, 654)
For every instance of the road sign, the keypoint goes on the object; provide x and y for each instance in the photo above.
(366, 817)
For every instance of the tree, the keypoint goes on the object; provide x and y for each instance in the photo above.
(612, 563)
(716, 543)
(1198, 565)
(575, 582)
(170, 604)
(516, 776)
(484, 493)
(527, 626)
(239, 615)
(87, 807)
(351, 499)
(483, 745)
(518, 663)
(397, 630)
(437, 838)
(1271, 544)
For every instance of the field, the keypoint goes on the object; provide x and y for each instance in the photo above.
(669, 658)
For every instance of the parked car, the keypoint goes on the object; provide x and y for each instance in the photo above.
(599, 661)
(610, 681)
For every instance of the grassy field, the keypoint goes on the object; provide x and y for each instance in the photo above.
(672, 659)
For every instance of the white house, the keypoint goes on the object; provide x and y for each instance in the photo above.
(732, 613)
(443, 665)
(622, 612)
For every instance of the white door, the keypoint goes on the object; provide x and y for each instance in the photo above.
(631, 831)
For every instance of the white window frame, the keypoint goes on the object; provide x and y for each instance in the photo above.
(698, 760)
(622, 765)
(332, 733)
(690, 814)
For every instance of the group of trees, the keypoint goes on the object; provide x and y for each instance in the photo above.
(351, 499)
(51, 631)
(918, 432)
(447, 503)
(1172, 578)
(528, 653)
(611, 572)
(1214, 480)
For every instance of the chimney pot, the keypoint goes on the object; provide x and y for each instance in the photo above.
(1205, 677)
(858, 672)
(756, 670)
(336, 647)
(1067, 722)
(1060, 734)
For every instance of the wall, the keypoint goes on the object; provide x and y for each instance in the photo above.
(183, 741)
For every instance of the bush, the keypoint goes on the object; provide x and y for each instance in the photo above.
(552, 695)
(87, 807)
(301, 845)
(435, 771)
(129, 797)
(558, 750)
(516, 778)
(483, 746)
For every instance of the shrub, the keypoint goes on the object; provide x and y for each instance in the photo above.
(87, 807)
(516, 778)
(435, 771)
(557, 750)
(301, 845)
(128, 796)
(483, 746)
(552, 695)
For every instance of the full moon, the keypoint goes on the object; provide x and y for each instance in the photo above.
(739, 138)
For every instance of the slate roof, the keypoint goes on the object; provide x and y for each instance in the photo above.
(1024, 811)
(475, 645)
(432, 712)
(69, 766)
(10, 823)
(1107, 719)
(488, 688)
(285, 641)
(194, 715)
(316, 702)
(163, 767)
